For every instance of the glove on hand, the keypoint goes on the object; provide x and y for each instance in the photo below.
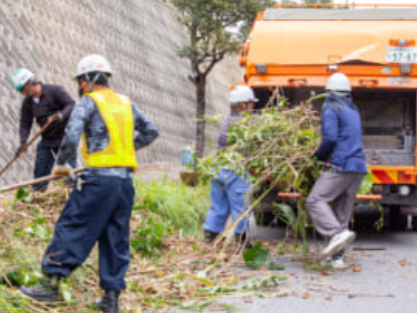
(56, 117)
(63, 170)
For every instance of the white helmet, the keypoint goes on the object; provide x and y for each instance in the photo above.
(93, 63)
(338, 82)
(242, 94)
(21, 77)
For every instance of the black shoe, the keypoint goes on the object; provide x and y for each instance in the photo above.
(209, 236)
(46, 291)
(242, 241)
(109, 302)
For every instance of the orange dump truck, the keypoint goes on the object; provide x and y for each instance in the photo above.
(297, 49)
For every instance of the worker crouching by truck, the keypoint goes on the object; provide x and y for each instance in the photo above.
(100, 205)
(228, 193)
(341, 149)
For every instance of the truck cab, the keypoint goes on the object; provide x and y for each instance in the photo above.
(297, 48)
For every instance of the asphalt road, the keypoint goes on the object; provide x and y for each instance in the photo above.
(377, 281)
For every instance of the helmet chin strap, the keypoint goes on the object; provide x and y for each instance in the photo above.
(93, 81)
(90, 82)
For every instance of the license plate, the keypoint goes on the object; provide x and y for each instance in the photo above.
(401, 55)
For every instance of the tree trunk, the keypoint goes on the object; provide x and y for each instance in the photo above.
(200, 137)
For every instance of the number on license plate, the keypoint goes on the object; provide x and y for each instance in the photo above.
(401, 55)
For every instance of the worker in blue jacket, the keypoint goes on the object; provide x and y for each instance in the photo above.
(229, 190)
(341, 150)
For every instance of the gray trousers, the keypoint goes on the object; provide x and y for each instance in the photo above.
(340, 189)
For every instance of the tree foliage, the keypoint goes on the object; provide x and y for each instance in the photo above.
(214, 29)
(307, 2)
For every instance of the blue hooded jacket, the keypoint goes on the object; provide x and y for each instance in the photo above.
(341, 143)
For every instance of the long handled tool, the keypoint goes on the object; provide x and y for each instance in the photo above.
(37, 181)
(31, 140)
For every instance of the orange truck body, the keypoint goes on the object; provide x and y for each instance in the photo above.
(293, 48)
(298, 47)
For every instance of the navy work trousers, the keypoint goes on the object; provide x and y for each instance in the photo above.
(99, 212)
(45, 158)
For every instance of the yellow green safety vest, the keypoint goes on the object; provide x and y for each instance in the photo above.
(116, 111)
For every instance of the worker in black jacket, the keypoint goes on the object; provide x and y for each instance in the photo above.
(42, 102)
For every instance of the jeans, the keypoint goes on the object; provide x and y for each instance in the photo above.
(228, 194)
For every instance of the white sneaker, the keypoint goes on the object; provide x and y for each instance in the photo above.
(337, 263)
(337, 243)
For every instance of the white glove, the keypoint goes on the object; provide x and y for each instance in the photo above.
(58, 116)
(63, 170)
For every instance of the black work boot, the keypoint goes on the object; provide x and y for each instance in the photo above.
(109, 302)
(242, 241)
(209, 236)
(46, 291)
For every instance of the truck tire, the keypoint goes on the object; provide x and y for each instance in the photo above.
(366, 223)
(264, 218)
(264, 211)
(414, 223)
(397, 221)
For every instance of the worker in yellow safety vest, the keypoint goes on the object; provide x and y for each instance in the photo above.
(99, 210)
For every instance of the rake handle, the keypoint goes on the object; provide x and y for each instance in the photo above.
(37, 181)
(31, 140)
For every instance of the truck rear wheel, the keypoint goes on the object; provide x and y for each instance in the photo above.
(414, 223)
(264, 218)
(264, 211)
(397, 221)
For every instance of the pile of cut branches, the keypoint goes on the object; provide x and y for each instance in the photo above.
(277, 143)
(276, 146)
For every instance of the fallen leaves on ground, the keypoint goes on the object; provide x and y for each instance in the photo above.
(187, 274)
(404, 262)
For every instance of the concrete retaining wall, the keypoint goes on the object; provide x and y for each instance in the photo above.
(139, 38)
